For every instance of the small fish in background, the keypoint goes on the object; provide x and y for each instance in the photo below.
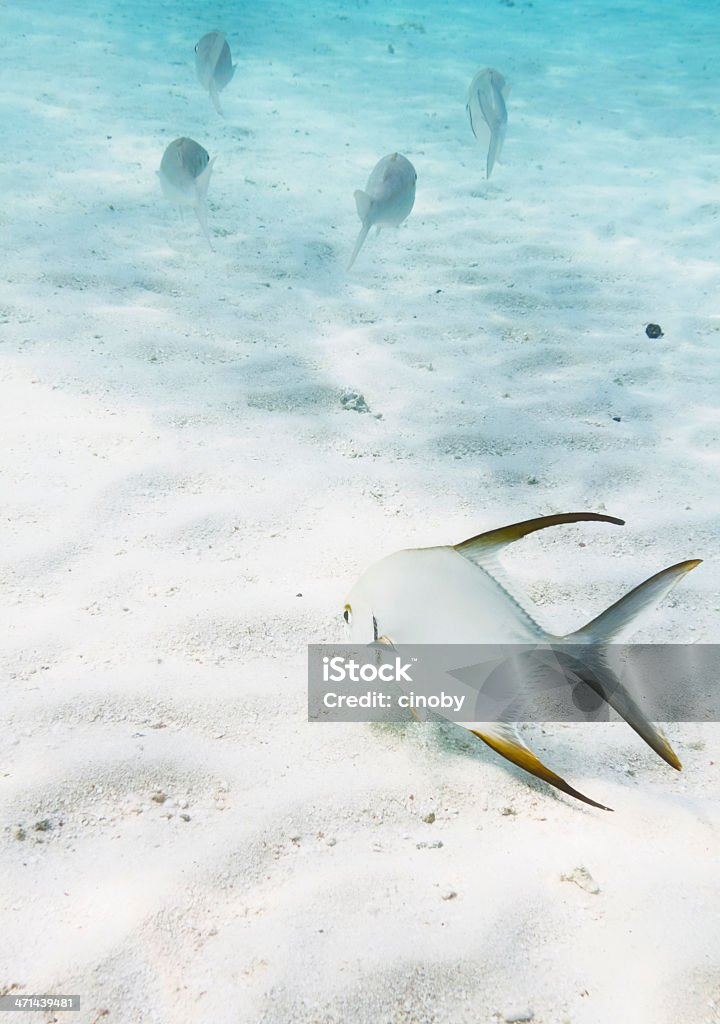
(214, 65)
(184, 174)
(388, 198)
(459, 595)
(487, 112)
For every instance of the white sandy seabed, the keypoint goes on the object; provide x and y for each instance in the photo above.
(186, 502)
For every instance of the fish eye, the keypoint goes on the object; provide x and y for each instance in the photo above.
(347, 613)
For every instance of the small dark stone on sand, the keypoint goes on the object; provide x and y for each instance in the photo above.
(355, 401)
(654, 331)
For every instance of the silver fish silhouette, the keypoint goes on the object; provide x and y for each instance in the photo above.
(488, 113)
(214, 65)
(184, 174)
(388, 198)
(459, 595)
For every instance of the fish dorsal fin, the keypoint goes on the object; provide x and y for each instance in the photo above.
(626, 615)
(483, 548)
(505, 740)
(389, 166)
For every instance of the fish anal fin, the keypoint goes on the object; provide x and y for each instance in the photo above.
(481, 548)
(468, 111)
(512, 749)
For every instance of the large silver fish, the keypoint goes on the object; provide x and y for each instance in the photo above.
(458, 595)
(184, 175)
(388, 198)
(214, 65)
(487, 112)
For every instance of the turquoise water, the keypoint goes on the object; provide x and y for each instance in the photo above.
(205, 445)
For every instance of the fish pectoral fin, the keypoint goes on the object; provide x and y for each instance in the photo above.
(362, 204)
(505, 740)
(481, 549)
(479, 126)
(468, 111)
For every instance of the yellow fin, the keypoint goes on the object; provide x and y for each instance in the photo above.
(504, 740)
(479, 549)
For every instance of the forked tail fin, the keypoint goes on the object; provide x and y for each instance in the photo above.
(615, 622)
(497, 137)
(215, 97)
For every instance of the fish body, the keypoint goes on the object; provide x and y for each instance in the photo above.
(214, 66)
(388, 198)
(469, 605)
(487, 112)
(184, 175)
(459, 595)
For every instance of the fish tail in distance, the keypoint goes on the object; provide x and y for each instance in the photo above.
(358, 244)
